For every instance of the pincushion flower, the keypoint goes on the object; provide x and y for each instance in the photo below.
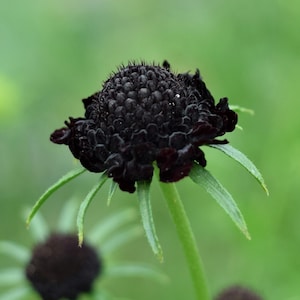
(148, 120)
(238, 293)
(145, 114)
(57, 268)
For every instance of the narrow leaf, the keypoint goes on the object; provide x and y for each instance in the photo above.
(241, 109)
(143, 191)
(244, 161)
(39, 228)
(18, 293)
(16, 251)
(112, 189)
(205, 179)
(136, 270)
(84, 205)
(67, 216)
(62, 181)
(108, 226)
(11, 276)
(120, 239)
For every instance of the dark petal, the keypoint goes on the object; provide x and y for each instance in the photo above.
(230, 118)
(61, 136)
(101, 152)
(125, 184)
(91, 163)
(177, 140)
(199, 157)
(175, 173)
(114, 165)
(166, 158)
(203, 133)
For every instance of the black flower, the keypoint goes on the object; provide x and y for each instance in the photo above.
(238, 293)
(146, 114)
(59, 268)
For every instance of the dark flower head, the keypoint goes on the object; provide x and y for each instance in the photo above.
(59, 268)
(146, 114)
(238, 293)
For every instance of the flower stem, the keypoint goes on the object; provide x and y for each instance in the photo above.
(187, 239)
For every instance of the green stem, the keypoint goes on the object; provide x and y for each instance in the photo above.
(187, 239)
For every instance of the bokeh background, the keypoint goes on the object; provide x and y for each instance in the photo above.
(54, 53)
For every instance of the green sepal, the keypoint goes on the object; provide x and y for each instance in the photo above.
(62, 181)
(84, 205)
(205, 179)
(244, 161)
(143, 191)
(241, 109)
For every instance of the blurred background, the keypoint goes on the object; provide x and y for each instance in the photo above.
(54, 53)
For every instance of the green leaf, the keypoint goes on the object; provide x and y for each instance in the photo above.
(120, 239)
(112, 189)
(244, 161)
(62, 181)
(84, 205)
(205, 179)
(11, 276)
(143, 191)
(16, 251)
(67, 216)
(16, 293)
(241, 109)
(109, 225)
(136, 270)
(39, 228)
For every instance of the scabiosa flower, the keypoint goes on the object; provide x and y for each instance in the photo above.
(146, 114)
(59, 268)
(238, 293)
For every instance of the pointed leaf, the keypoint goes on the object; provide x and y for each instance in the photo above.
(143, 191)
(108, 226)
(84, 205)
(205, 179)
(244, 161)
(120, 239)
(39, 227)
(62, 181)
(241, 109)
(16, 293)
(11, 276)
(136, 270)
(112, 189)
(16, 251)
(67, 216)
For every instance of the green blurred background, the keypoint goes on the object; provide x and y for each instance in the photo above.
(54, 53)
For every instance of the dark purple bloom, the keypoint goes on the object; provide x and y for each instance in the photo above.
(59, 268)
(238, 293)
(146, 114)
